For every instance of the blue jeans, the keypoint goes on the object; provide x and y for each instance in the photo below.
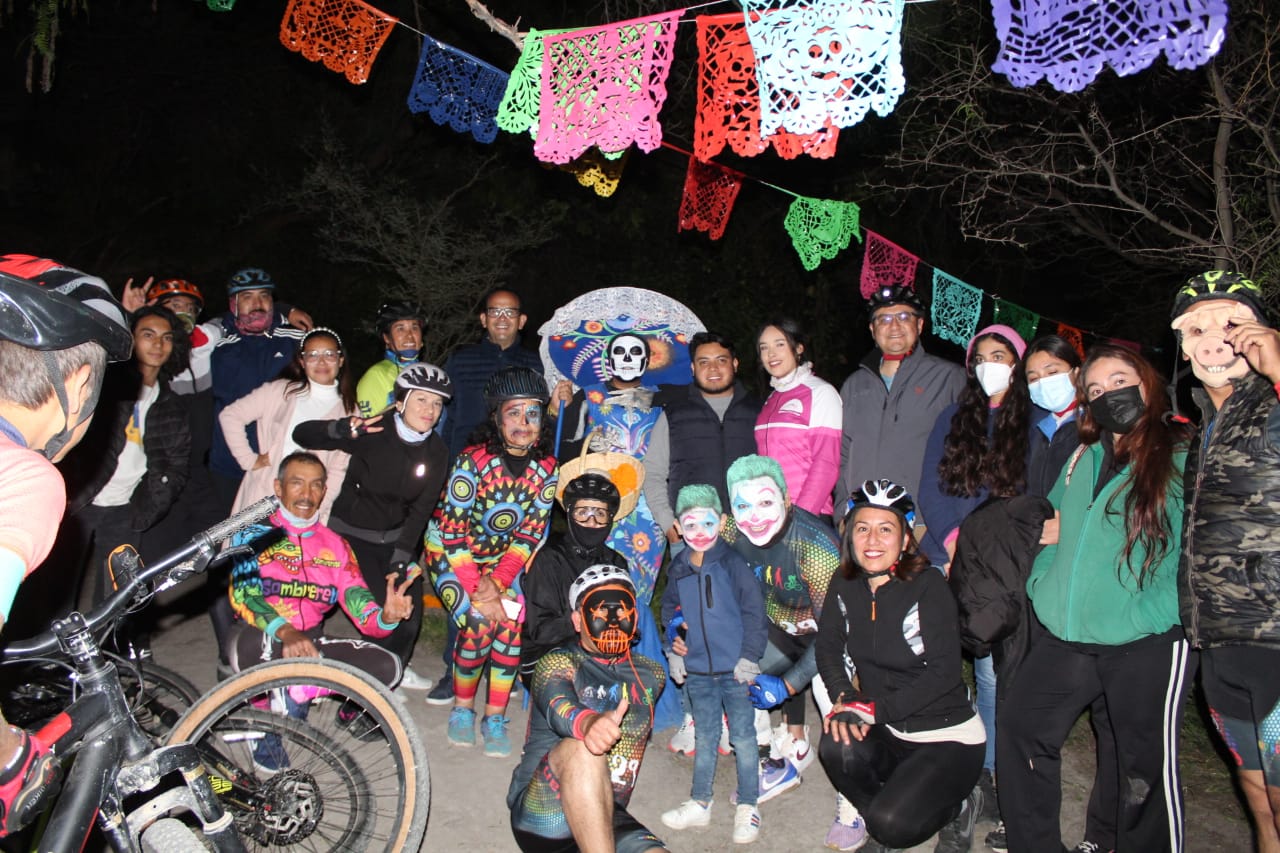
(710, 694)
(984, 677)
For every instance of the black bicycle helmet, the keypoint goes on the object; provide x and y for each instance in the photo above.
(894, 294)
(45, 305)
(1219, 284)
(882, 494)
(425, 377)
(397, 309)
(516, 383)
(592, 487)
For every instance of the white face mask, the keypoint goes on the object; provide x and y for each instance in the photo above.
(1054, 393)
(993, 377)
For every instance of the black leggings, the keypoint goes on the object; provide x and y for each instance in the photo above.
(250, 646)
(375, 561)
(905, 791)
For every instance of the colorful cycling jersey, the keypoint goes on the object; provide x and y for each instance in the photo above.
(376, 389)
(569, 684)
(299, 578)
(795, 570)
(32, 501)
(489, 521)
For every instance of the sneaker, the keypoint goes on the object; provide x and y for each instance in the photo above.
(1088, 846)
(957, 836)
(798, 752)
(269, 757)
(682, 740)
(494, 730)
(998, 841)
(746, 825)
(462, 727)
(687, 814)
(724, 747)
(764, 734)
(777, 776)
(412, 681)
(358, 724)
(32, 783)
(848, 831)
(442, 693)
(990, 805)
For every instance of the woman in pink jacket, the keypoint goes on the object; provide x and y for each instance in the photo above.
(314, 386)
(799, 425)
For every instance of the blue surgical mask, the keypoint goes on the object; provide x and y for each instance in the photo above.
(1054, 393)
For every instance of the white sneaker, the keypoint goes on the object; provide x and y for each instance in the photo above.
(746, 825)
(798, 752)
(412, 681)
(687, 814)
(764, 734)
(724, 746)
(682, 740)
(779, 735)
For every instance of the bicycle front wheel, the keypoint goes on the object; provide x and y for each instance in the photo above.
(335, 763)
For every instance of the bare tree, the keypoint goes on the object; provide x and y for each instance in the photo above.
(1166, 170)
(420, 248)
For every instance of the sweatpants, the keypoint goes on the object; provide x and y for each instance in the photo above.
(1144, 686)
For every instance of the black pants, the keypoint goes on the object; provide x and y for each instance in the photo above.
(1144, 686)
(249, 647)
(905, 791)
(375, 562)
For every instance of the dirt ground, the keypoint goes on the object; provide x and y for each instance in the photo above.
(468, 809)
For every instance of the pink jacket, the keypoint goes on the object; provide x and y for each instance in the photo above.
(799, 426)
(271, 409)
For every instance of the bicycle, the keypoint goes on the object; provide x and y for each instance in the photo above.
(113, 759)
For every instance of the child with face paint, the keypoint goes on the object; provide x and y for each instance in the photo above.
(492, 516)
(1105, 590)
(713, 589)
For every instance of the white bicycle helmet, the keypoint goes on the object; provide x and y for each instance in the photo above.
(594, 576)
(882, 494)
(425, 377)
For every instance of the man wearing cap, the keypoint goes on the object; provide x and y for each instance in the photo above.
(893, 399)
(1229, 578)
(590, 715)
(256, 344)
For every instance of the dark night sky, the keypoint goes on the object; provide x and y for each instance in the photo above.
(169, 136)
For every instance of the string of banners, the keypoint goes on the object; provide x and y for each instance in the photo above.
(781, 75)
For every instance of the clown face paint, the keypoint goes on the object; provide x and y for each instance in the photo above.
(609, 618)
(1213, 360)
(758, 509)
(700, 527)
(628, 357)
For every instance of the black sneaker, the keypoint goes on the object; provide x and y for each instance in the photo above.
(997, 840)
(442, 693)
(990, 806)
(957, 836)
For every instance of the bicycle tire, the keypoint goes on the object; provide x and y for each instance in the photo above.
(359, 733)
(169, 835)
(159, 698)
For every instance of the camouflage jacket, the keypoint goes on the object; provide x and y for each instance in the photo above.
(1229, 577)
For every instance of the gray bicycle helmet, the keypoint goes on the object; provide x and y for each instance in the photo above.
(592, 487)
(45, 305)
(250, 279)
(515, 383)
(421, 376)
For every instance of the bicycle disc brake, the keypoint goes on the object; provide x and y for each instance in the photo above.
(290, 808)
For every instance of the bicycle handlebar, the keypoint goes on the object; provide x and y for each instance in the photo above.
(203, 545)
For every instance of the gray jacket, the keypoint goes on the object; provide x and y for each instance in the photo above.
(885, 430)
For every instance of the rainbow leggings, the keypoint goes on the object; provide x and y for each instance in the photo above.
(479, 642)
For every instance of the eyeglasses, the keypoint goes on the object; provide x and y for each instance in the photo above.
(591, 513)
(899, 317)
(505, 313)
(321, 355)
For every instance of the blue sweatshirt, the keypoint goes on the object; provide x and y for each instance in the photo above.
(722, 607)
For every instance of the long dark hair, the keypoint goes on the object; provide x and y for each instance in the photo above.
(795, 336)
(180, 356)
(1149, 448)
(296, 373)
(1056, 346)
(970, 462)
(910, 562)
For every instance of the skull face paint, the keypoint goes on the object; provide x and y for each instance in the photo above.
(1213, 360)
(759, 509)
(628, 357)
(609, 616)
(700, 528)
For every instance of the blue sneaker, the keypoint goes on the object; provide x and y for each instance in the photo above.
(848, 831)
(462, 727)
(494, 730)
(777, 775)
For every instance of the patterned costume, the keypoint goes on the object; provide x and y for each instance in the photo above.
(568, 684)
(488, 524)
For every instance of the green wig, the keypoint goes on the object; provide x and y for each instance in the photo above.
(697, 496)
(753, 467)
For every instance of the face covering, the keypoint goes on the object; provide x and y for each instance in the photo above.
(1117, 411)
(403, 357)
(298, 521)
(188, 321)
(1054, 393)
(609, 614)
(589, 537)
(1202, 334)
(993, 377)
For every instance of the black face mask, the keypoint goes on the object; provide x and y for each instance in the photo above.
(588, 537)
(1117, 411)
